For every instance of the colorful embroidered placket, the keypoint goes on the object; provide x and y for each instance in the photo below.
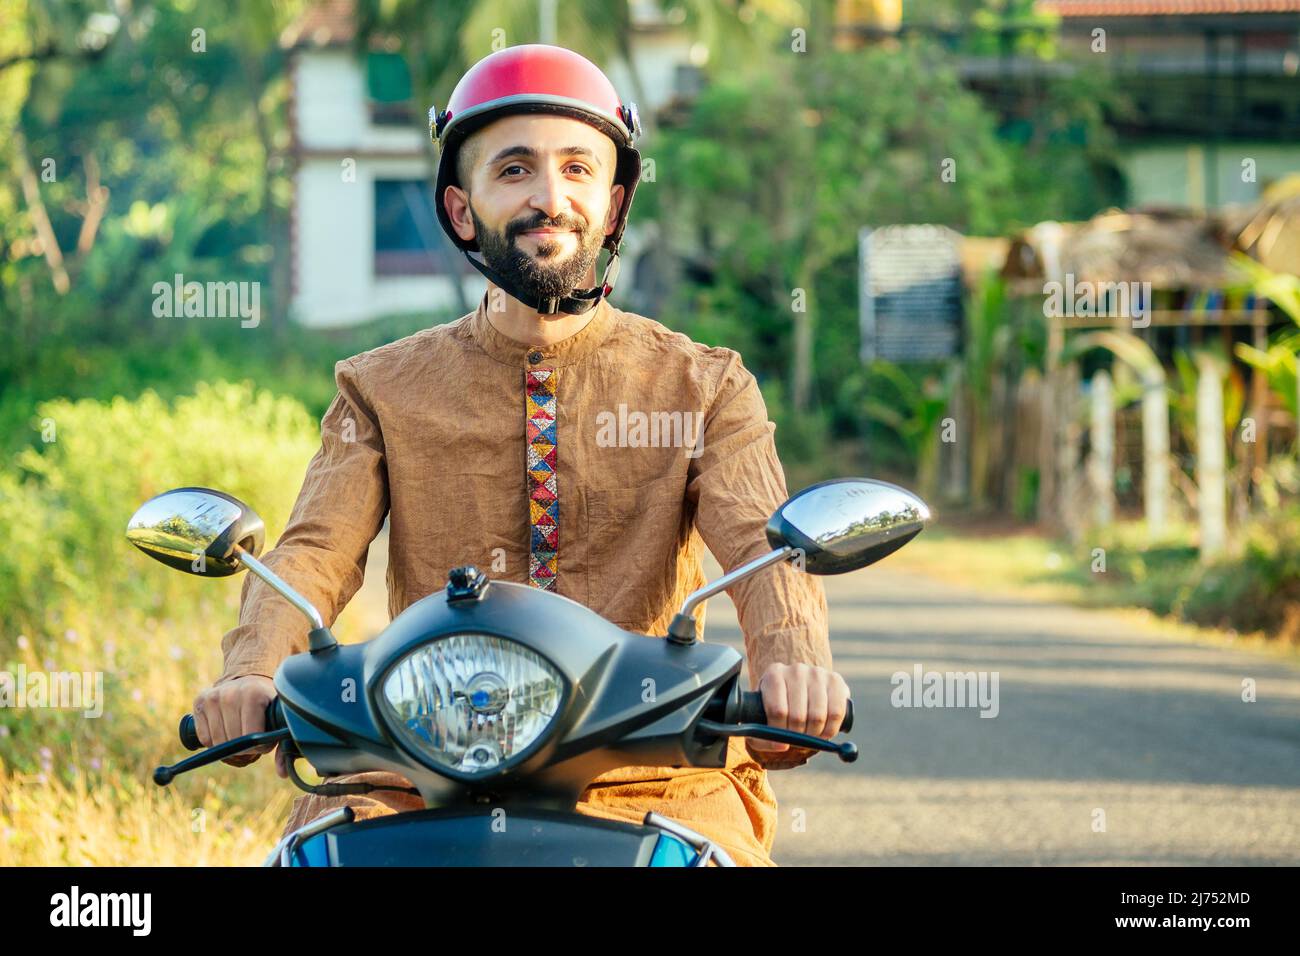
(543, 497)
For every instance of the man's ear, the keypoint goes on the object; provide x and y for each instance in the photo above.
(456, 202)
(615, 205)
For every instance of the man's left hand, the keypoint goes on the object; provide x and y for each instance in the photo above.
(803, 698)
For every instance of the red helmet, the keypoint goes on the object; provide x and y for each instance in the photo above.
(538, 78)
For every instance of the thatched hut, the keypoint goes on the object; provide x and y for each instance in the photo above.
(1269, 230)
(1182, 294)
(1171, 249)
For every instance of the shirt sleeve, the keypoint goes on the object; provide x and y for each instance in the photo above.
(322, 553)
(736, 482)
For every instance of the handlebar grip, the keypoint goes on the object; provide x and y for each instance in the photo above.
(752, 712)
(190, 737)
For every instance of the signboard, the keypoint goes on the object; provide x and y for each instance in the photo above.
(909, 293)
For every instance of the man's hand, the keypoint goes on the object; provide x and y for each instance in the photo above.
(232, 709)
(802, 698)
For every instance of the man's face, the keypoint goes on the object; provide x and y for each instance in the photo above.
(540, 199)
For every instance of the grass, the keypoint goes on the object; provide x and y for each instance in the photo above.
(112, 818)
(76, 598)
(77, 789)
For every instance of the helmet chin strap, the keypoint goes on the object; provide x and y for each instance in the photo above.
(576, 303)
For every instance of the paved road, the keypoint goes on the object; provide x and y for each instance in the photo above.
(1102, 722)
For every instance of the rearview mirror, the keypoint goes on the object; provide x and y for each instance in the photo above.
(835, 526)
(847, 523)
(197, 530)
(210, 533)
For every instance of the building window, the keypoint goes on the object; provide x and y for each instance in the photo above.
(406, 229)
(388, 88)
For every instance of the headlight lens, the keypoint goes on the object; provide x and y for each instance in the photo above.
(470, 702)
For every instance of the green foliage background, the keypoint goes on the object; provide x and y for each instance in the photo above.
(763, 183)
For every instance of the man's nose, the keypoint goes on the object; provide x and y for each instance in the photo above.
(550, 196)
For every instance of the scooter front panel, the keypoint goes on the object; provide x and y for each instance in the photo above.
(443, 837)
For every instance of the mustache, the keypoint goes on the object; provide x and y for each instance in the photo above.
(519, 226)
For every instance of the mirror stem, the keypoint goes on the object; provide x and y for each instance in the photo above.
(682, 629)
(320, 637)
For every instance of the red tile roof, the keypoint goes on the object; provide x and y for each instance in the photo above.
(1155, 8)
(326, 23)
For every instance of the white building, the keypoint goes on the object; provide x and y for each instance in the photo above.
(365, 240)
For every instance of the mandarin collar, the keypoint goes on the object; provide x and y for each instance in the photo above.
(565, 352)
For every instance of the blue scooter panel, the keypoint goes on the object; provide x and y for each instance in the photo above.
(443, 837)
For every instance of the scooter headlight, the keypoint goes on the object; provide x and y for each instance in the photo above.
(470, 702)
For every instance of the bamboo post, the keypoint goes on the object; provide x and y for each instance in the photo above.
(1001, 449)
(1101, 458)
(1155, 453)
(1069, 507)
(1046, 447)
(955, 452)
(1259, 403)
(1211, 477)
(1049, 499)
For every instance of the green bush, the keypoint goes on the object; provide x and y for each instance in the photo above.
(1256, 589)
(76, 597)
(1260, 589)
(287, 359)
(804, 442)
(66, 498)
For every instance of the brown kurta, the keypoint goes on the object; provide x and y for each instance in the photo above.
(431, 430)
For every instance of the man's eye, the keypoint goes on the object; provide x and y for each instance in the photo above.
(506, 171)
(579, 167)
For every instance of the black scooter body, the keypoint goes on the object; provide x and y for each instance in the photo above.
(628, 699)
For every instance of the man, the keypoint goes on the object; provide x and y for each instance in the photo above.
(490, 441)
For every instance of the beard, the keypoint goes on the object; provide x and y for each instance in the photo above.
(549, 273)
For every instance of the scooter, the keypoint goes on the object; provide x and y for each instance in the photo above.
(499, 700)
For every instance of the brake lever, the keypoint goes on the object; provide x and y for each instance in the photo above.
(165, 775)
(847, 751)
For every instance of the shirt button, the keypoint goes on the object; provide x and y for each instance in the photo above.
(534, 357)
